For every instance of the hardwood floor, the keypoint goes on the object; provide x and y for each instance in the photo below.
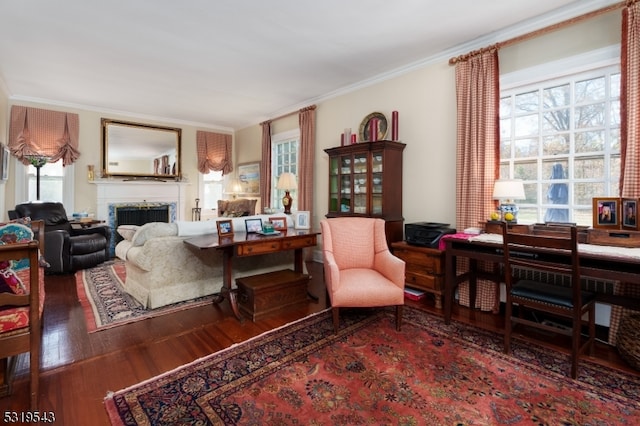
(79, 369)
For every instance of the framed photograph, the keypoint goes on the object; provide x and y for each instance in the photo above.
(606, 212)
(4, 162)
(253, 225)
(249, 177)
(302, 220)
(225, 227)
(279, 223)
(630, 214)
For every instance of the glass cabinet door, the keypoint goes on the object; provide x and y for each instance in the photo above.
(360, 178)
(334, 193)
(376, 182)
(346, 165)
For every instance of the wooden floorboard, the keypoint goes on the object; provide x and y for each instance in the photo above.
(79, 369)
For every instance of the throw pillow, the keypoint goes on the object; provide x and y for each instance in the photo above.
(127, 231)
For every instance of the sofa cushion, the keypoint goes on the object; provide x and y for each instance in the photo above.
(127, 231)
(189, 229)
(154, 229)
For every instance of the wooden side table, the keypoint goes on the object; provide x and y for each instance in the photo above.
(424, 268)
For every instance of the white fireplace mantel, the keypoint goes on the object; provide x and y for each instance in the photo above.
(112, 191)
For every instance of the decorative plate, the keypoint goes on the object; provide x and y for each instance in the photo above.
(364, 127)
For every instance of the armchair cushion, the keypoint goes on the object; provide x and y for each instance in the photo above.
(237, 208)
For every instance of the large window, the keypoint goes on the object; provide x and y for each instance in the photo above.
(213, 189)
(284, 158)
(56, 184)
(561, 136)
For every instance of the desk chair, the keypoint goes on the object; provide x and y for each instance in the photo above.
(557, 255)
(359, 269)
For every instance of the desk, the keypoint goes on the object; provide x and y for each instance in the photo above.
(243, 244)
(605, 267)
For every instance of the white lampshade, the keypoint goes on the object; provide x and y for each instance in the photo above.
(233, 186)
(504, 189)
(287, 181)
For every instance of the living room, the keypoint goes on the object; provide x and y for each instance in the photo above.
(423, 93)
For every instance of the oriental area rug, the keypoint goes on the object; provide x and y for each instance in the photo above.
(106, 304)
(369, 374)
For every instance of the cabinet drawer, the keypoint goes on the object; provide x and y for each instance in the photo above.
(307, 241)
(258, 248)
(424, 282)
(427, 263)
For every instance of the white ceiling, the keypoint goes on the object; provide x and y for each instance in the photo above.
(229, 64)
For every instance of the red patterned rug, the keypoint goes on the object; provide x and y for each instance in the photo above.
(106, 304)
(428, 374)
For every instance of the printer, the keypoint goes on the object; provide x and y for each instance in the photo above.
(426, 234)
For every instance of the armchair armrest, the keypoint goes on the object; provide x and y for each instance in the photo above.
(56, 249)
(392, 267)
(331, 272)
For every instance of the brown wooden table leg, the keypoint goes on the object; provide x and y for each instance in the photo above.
(227, 291)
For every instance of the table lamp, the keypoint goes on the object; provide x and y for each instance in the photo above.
(287, 182)
(508, 190)
(233, 187)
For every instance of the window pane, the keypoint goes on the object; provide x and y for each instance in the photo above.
(556, 144)
(525, 170)
(51, 182)
(585, 191)
(590, 90)
(590, 141)
(526, 125)
(590, 116)
(527, 102)
(588, 168)
(556, 120)
(555, 97)
(526, 148)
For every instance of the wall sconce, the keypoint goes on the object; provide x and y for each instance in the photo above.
(507, 191)
(287, 182)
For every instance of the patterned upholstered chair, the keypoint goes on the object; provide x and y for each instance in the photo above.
(21, 302)
(359, 269)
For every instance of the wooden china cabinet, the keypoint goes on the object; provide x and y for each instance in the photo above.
(365, 179)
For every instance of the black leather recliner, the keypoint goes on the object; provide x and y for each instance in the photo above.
(66, 248)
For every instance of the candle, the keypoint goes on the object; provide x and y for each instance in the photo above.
(373, 129)
(347, 135)
(342, 139)
(353, 138)
(394, 126)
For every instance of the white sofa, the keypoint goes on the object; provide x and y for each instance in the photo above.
(162, 269)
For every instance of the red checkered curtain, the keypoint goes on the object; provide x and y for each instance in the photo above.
(629, 133)
(307, 122)
(265, 166)
(214, 152)
(35, 131)
(477, 157)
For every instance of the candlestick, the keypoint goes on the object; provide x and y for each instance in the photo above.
(394, 125)
(373, 129)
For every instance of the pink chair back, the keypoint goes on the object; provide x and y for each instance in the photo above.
(360, 239)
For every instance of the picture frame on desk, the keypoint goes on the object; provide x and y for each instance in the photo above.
(279, 223)
(253, 225)
(606, 212)
(630, 214)
(225, 227)
(302, 220)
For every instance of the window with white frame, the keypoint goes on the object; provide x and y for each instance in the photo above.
(56, 184)
(285, 157)
(561, 136)
(213, 189)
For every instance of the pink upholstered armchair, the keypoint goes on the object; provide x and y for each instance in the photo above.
(359, 269)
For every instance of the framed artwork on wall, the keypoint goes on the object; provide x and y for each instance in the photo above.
(4, 162)
(606, 212)
(249, 178)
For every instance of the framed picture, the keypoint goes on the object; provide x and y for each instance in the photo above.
(4, 162)
(630, 214)
(253, 225)
(225, 227)
(302, 220)
(249, 177)
(279, 223)
(606, 212)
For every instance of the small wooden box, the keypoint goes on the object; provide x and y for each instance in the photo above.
(261, 295)
(617, 238)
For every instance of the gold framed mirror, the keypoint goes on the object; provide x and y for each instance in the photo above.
(140, 150)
